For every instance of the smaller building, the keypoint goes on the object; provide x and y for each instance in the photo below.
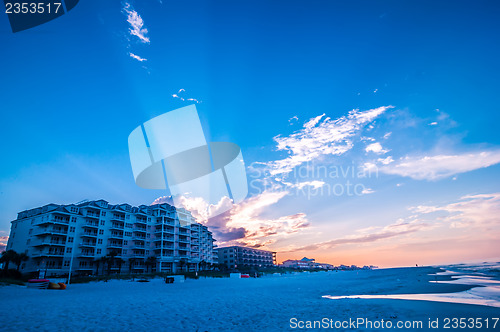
(306, 264)
(240, 257)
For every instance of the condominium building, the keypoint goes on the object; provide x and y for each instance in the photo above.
(145, 238)
(237, 257)
(306, 263)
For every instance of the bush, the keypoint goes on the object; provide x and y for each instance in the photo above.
(8, 281)
(11, 274)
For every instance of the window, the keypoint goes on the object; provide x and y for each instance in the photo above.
(124, 251)
(31, 231)
(99, 241)
(28, 241)
(99, 250)
(73, 219)
(101, 231)
(127, 216)
(74, 209)
(68, 250)
(103, 213)
(72, 229)
(125, 242)
(70, 240)
(148, 235)
(128, 225)
(103, 222)
(128, 233)
(66, 263)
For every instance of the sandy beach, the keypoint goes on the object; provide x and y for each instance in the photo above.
(262, 304)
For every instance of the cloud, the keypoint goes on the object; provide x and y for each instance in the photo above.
(136, 24)
(433, 124)
(293, 120)
(178, 95)
(246, 220)
(441, 166)
(138, 58)
(371, 234)
(321, 136)
(376, 148)
(479, 210)
(3, 242)
(367, 191)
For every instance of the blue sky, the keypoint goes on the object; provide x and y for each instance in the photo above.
(73, 89)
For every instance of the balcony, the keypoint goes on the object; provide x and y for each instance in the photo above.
(89, 234)
(115, 235)
(85, 244)
(118, 217)
(51, 231)
(117, 226)
(138, 237)
(48, 242)
(93, 215)
(90, 224)
(181, 240)
(55, 220)
(139, 230)
(48, 254)
(140, 221)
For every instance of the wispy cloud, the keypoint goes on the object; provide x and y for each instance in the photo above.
(369, 235)
(321, 136)
(441, 166)
(138, 58)
(479, 210)
(136, 22)
(366, 191)
(182, 91)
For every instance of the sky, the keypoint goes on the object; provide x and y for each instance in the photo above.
(369, 129)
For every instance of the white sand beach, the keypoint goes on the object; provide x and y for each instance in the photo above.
(262, 304)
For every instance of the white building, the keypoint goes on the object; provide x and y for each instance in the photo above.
(56, 237)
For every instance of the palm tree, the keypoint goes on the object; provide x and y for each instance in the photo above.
(7, 257)
(203, 265)
(104, 261)
(19, 258)
(98, 262)
(131, 262)
(111, 257)
(182, 262)
(151, 261)
(119, 261)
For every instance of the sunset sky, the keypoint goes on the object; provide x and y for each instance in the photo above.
(369, 128)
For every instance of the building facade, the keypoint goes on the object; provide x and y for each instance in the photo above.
(237, 257)
(158, 238)
(306, 263)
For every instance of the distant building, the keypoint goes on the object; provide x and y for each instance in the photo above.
(237, 257)
(56, 237)
(305, 264)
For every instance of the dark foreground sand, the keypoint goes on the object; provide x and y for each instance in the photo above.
(264, 304)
